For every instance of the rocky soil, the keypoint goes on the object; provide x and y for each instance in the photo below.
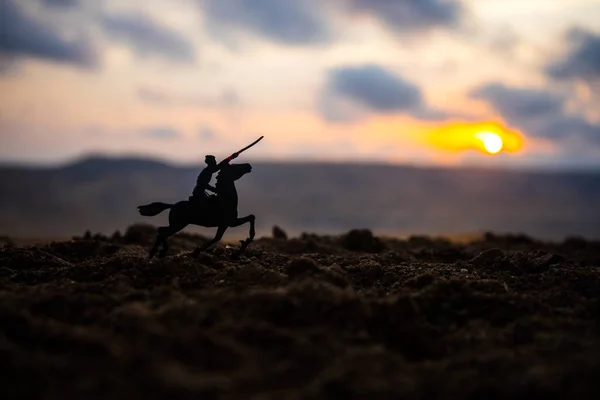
(350, 316)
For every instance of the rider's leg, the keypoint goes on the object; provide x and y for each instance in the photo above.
(219, 235)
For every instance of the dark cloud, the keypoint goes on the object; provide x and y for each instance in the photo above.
(564, 127)
(538, 113)
(402, 16)
(351, 92)
(158, 97)
(160, 132)
(8, 66)
(291, 22)
(146, 37)
(582, 60)
(61, 3)
(305, 22)
(520, 104)
(22, 36)
(375, 87)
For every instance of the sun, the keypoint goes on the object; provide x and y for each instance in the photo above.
(491, 141)
(489, 138)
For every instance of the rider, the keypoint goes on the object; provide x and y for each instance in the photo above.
(199, 195)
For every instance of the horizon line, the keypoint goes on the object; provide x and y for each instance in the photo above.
(73, 160)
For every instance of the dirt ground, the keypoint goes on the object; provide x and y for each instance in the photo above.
(351, 316)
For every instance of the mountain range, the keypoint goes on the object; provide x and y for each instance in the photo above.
(100, 194)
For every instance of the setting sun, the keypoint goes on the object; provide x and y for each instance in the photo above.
(491, 141)
(486, 137)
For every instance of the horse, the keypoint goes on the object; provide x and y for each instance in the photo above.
(218, 211)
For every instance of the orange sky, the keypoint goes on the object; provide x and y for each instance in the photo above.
(178, 87)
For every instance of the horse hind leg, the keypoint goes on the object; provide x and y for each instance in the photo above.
(161, 238)
(164, 232)
(178, 219)
(165, 247)
(167, 232)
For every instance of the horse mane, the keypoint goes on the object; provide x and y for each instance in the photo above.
(224, 170)
(232, 172)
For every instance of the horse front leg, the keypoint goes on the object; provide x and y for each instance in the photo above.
(240, 221)
(219, 235)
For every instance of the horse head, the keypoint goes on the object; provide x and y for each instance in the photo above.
(233, 172)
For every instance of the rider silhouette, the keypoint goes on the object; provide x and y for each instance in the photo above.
(222, 215)
(199, 195)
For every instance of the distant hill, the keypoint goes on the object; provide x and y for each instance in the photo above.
(101, 194)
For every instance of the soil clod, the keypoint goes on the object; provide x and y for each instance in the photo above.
(352, 316)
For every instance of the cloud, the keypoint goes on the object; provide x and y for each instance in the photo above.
(147, 38)
(207, 134)
(375, 87)
(61, 3)
(160, 132)
(583, 59)
(538, 113)
(24, 37)
(351, 93)
(290, 22)
(404, 16)
(163, 98)
(520, 104)
(8, 66)
(306, 22)
(566, 126)
(154, 96)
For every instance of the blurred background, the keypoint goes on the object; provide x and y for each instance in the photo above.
(440, 117)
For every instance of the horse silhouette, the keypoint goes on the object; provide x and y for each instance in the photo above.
(218, 211)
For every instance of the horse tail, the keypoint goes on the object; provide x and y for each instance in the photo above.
(152, 209)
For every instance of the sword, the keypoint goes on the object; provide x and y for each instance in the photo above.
(231, 157)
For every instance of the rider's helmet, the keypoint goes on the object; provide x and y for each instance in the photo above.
(210, 159)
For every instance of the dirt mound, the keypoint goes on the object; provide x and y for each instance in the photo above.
(362, 240)
(349, 316)
(279, 233)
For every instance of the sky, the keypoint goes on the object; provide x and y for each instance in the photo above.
(424, 82)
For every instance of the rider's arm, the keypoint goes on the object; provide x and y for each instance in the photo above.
(222, 164)
(211, 188)
(226, 161)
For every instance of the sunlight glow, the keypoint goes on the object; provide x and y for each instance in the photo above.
(491, 141)
(486, 137)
